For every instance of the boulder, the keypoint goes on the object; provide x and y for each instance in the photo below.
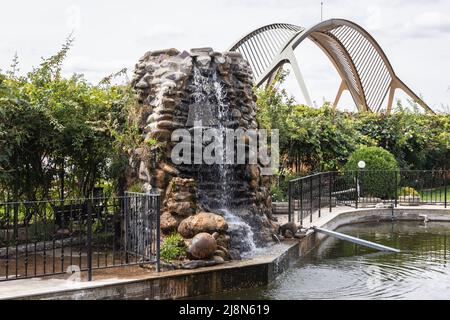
(218, 259)
(235, 254)
(203, 246)
(198, 264)
(169, 223)
(223, 252)
(223, 240)
(202, 222)
(288, 234)
(291, 227)
(182, 208)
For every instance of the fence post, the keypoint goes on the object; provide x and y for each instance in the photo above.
(320, 194)
(310, 199)
(396, 187)
(356, 189)
(432, 191)
(301, 202)
(89, 239)
(445, 188)
(158, 233)
(331, 182)
(125, 218)
(289, 201)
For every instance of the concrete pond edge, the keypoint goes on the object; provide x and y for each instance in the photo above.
(244, 274)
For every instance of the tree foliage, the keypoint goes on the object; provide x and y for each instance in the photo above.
(313, 140)
(380, 174)
(50, 125)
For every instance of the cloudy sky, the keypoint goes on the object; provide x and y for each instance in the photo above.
(111, 35)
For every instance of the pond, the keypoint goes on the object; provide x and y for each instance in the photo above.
(342, 270)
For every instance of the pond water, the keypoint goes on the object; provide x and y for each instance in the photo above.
(342, 270)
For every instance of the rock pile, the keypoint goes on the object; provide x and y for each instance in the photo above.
(167, 85)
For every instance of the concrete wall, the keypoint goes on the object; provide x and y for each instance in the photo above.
(184, 284)
(244, 274)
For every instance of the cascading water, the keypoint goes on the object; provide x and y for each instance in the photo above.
(218, 184)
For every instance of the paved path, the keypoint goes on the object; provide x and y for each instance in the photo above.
(27, 287)
(327, 216)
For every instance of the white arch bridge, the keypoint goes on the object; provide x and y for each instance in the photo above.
(364, 69)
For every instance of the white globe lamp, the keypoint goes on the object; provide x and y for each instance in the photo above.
(361, 164)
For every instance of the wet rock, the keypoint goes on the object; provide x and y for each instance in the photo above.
(142, 84)
(223, 240)
(183, 196)
(169, 52)
(169, 169)
(223, 252)
(218, 259)
(236, 114)
(288, 234)
(201, 51)
(194, 264)
(180, 196)
(144, 174)
(166, 89)
(181, 208)
(300, 234)
(160, 134)
(203, 246)
(169, 223)
(220, 253)
(235, 254)
(159, 179)
(204, 61)
(202, 222)
(291, 227)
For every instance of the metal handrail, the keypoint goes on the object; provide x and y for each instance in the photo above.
(311, 194)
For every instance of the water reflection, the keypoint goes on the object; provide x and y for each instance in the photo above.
(343, 270)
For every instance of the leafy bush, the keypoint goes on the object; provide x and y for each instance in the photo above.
(278, 194)
(279, 189)
(173, 248)
(320, 139)
(51, 125)
(380, 176)
(408, 191)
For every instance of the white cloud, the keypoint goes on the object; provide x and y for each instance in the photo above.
(111, 35)
(95, 70)
(434, 22)
(162, 32)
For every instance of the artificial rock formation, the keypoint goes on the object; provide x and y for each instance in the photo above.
(174, 90)
(202, 222)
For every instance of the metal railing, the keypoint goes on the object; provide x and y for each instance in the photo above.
(321, 192)
(53, 237)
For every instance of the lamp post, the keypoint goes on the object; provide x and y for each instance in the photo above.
(361, 166)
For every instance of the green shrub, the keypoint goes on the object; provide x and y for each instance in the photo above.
(380, 176)
(173, 248)
(278, 194)
(279, 188)
(408, 191)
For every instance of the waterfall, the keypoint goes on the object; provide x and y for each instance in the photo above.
(218, 183)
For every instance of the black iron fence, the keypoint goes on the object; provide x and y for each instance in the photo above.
(54, 237)
(321, 192)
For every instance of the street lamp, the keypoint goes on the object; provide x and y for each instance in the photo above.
(361, 166)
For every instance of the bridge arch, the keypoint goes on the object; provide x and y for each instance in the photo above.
(364, 68)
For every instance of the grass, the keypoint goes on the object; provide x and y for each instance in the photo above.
(437, 194)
